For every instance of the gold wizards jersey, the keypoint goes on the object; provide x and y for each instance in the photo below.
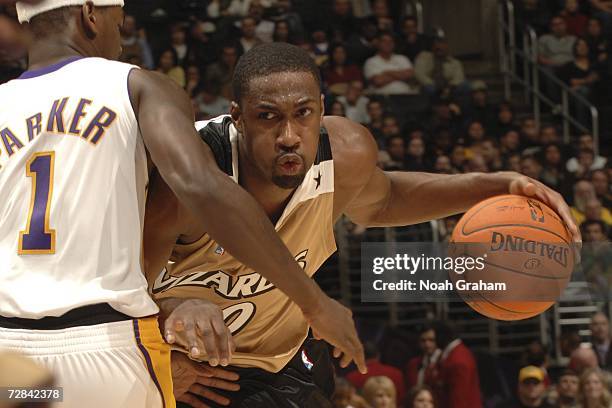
(267, 327)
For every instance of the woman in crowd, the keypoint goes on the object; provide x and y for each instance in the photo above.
(379, 392)
(167, 64)
(593, 390)
(339, 73)
(420, 397)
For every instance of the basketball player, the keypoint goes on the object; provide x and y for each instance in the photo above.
(76, 132)
(305, 170)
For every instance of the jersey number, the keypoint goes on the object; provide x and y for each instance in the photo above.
(38, 238)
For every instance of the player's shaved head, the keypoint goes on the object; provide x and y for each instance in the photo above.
(271, 58)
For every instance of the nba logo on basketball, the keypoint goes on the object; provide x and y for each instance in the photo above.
(219, 250)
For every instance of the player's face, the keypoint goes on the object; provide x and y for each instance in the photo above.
(109, 23)
(279, 121)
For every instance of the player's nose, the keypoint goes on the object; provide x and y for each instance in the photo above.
(288, 137)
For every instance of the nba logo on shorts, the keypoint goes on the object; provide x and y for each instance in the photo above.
(307, 363)
(219, 250)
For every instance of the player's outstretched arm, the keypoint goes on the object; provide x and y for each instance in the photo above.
(227, 212)
(378, 198)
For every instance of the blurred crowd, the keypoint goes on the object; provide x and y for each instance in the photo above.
(412, 93)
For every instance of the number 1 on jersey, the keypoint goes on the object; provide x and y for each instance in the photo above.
(38, 238)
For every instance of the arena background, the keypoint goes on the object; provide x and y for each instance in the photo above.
(510, 95)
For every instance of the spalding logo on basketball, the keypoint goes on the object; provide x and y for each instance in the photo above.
(528, 247)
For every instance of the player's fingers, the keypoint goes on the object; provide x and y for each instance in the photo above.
(192, 401)
(316, 335)
(192, 340)
(360, 359)
(223, 335)
(218, 383)
(169, 330)
(207, 393)
(208, 337)
(337, 352)
(219, 372)
(346, 360)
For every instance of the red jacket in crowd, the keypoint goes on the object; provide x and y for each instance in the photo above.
(457, 385)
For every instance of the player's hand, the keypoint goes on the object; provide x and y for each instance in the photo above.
(333, 323)
(198, 326)
(192, 380)
(523, 185)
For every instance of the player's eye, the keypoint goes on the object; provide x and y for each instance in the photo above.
(266, 115)
(304, 112)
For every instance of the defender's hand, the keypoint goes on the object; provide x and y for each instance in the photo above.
(198, 326)
(333, 323)
(523, 185)
(191, 379)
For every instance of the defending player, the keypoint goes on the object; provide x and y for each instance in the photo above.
(305, 170)
(76, 133)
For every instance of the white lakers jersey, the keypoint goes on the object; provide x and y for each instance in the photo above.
(72, 180)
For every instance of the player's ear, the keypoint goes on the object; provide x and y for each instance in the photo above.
(322, 106)
(89, 20)
(236, 115)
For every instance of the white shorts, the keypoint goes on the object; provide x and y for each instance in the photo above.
(123, 364)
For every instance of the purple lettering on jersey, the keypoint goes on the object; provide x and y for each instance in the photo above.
(100, 123)
(56, 120)
(34, 126)
(10, 141)
(79, 113)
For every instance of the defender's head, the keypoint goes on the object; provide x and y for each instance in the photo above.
(278, 111)
(92, 25)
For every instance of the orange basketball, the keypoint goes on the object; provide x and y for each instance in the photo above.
(527, 246)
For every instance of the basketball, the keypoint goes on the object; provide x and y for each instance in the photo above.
(527, 247)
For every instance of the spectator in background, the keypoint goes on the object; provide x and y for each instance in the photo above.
(221, 72)
(376, 370)
(337, 109)
(342, 18)
(556, 49)
(393, 158)
(133, 45)
(442, 165)
(489, 151)
(420, 397)
(263, 28)
(459, 386)
(536, 354)
(549, 134)
(594, 231)
(167, 65)
(575, 20)
(389, 73)
(362, 44)
(412, 43)
(512, 162)
(193, 80)
(381, 17)
(415, 155)
(531, 167)
(375, 119)
(581, 359)
(601, 183)
(530, 390)
(436, 70)
(248, 39)
(355, 103)
(475, 133)
(530, 133)
(458, 158)
(602, 9)
(283, 11)
(585, 160)
(421, 370)
(223, 8)
(345, 396)
(598, 42)
(600, 339)
(594, 391)
(585, 142)
(339, 73)
(390, 127)
(202, 51)
(566, 391)
(282, 33)
(505, 120)
(554, 173)
(443, 141)
(479, 109)
(210, 103)
(178, 42)
(509, 143)
(320, 46)
(379, 392)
